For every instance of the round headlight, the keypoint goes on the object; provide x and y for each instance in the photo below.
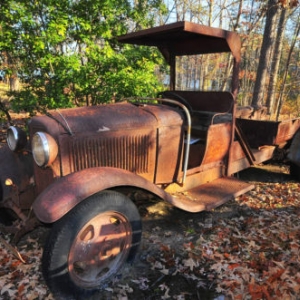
(44, 149)
(16, 138)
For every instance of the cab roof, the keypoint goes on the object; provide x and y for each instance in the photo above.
(186, 38)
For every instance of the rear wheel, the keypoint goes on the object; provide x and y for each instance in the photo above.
(295, 171)
(89, 246)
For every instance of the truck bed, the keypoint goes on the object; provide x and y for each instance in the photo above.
(260, 133)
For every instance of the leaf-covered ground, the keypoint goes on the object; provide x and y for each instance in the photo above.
(246, 249)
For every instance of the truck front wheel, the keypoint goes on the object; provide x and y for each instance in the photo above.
(90, 244)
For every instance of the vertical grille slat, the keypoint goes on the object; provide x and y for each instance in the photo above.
(129, 153)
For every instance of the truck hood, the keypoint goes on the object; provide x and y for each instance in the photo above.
(106, 118)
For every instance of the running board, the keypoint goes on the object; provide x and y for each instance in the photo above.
(210, 195)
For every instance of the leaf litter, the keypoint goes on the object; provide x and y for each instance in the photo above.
(246, 249)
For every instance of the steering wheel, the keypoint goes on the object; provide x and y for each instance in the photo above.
(175, 96)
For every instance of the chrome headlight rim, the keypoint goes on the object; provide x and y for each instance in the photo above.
(44, 149)
(16, 138)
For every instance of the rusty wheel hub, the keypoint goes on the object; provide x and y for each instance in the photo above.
(101, 247)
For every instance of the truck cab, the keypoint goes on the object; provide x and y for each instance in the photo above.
(76, 168)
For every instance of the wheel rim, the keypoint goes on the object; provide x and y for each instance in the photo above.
(100, 248)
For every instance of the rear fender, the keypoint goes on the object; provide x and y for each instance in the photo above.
(66, 192)
(294, 150)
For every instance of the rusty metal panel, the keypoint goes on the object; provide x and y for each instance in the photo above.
(169, 154)
(44, 124)
(237, 151)
(106, 118)
(239, 160)
(69, 190)
(194, 179)
(211, 195)
(132, 150)
(165, 115)
(94, 119)
(287, 130)
(129, 153)
(186, 38)
(169, 142)
(43, 177)
(217, 144)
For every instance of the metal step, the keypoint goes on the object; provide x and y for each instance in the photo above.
(211, 195)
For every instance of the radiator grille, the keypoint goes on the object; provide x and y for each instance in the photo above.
(129, 153)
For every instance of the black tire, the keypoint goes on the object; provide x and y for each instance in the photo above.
(295, 171)
(89, 246)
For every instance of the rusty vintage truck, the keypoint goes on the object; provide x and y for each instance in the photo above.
(75, 169)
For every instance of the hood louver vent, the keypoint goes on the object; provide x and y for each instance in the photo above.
(130, 153)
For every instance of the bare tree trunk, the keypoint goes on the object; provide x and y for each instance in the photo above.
(247, 70)
(295, 38)
(210, 10)
(276, 61)
(205, 64)
(238, 17)
(266, 49)
(229, 63)
(14, 83)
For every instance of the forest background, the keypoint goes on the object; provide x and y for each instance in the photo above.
(65, 53)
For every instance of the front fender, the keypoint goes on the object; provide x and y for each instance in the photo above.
(66, 192)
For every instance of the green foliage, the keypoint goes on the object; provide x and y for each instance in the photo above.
(66, 54)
